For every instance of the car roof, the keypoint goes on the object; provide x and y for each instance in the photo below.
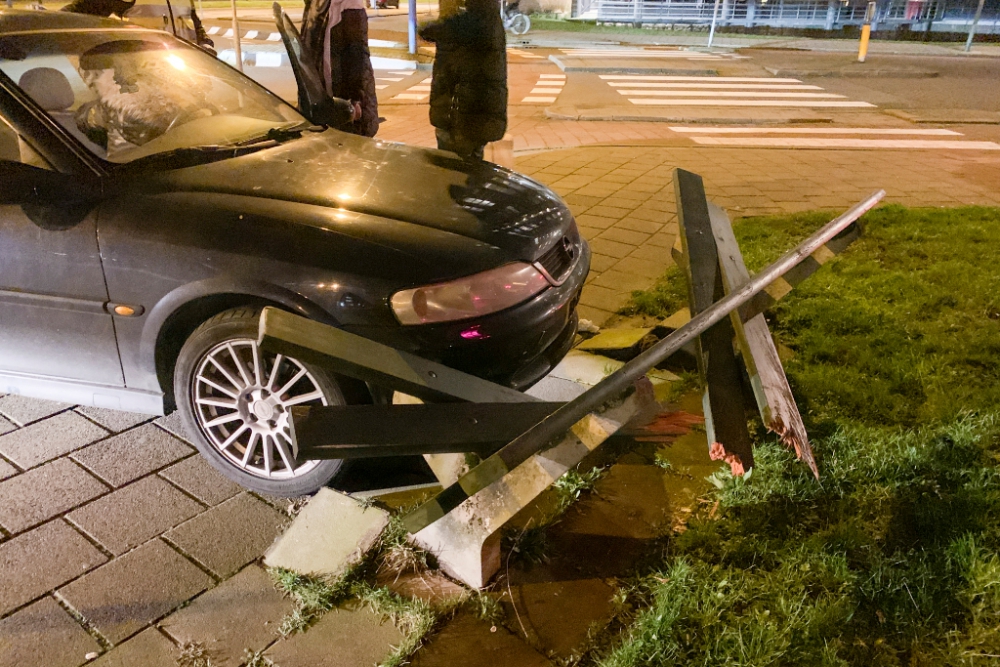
(22, 20)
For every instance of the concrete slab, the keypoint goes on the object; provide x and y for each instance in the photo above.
(135, 590)
(242, 613)
(44, 635)
(36, 562)
(551, 388)
(230, 535)
(331, 533)
(558, 616)
(23, 410)
(677, 320)
(947, 116)
(45, 440)
(5, 426)
(431, 587)
(113, 420)
(342, 638)
(614, 339)
(196, 476)
(149, 648)
(133, 454)
(630, 501)
(855, 71)
(44, 492)
(135, 513)
(470, 642)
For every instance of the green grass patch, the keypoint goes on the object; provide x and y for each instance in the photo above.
(892, 558)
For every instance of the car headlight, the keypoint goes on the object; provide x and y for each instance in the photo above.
(480, 294)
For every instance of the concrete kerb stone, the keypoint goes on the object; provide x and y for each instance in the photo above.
(329, 535)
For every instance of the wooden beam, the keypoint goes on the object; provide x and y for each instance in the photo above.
(362, 431)
(364, 359)
(767, 377)
(725, 417)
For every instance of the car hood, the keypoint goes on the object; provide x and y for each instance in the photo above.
(478, 200)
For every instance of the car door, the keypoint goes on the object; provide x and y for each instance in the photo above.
(54, 318)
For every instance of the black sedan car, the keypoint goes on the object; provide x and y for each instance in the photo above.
(153, 200)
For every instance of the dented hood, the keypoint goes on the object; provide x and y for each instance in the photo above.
(478, 200)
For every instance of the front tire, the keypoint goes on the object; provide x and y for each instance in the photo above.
(520, 24)
(234, 401)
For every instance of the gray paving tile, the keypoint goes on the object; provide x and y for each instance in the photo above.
(243, 612)
(36, 562)
(23, 410)
(196, 476)
(135, 513)
(465, 635)
(113, 420)
(44, 635)
(7, 470)
(133, 454)
(230, 535)
(127, 594)
(6, 426)
(173, 424)
(361, 637)
(149, 648)
(44, 492)
(48, 439)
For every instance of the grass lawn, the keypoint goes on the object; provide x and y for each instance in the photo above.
(891, 559)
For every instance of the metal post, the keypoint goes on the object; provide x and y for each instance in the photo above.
(412, 26)
(715, 17)
(866, 32)
(236, 39)
(972, 28)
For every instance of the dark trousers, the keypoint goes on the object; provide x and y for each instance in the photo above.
(467, 150)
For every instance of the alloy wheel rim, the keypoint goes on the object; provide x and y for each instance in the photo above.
(241, 401)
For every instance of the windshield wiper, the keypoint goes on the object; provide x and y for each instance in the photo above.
(190, 156)
(283, 133)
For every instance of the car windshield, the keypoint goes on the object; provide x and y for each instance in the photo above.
(129, 94)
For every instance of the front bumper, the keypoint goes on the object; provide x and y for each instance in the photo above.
(515, 347)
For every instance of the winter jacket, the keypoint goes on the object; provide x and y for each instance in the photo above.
(351, 73)
(469, 89)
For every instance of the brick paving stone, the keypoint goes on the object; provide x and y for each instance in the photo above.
(612, 248)
(595, 315)
(621, 281)
(133, 454)
(196, 476)
(44, 635)
(641, 267)
(135, 513)
(470, 642)
(5, 426)
(23, 410)
(48, 439)
(42, 493)
(36, 562)
(599, 263)
(127, 594)
(230, 535)
(624, 236)
(241, 613)
(637, 225)
(603, 298)
(149, 648)
(113, 420)
(7, 470)
(172, 423)
(342, 638)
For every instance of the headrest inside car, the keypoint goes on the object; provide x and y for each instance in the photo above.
(48, 87)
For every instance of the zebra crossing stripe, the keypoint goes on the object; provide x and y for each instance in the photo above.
(712, 86)
(810, 142)
(815, 130)
(829, 104)
(727, 93)
(214, 30)
(251, 34)
(544, 100)
(697, 79)
(274, 37)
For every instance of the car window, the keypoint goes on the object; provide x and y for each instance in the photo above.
(13, 148)
(127, 94)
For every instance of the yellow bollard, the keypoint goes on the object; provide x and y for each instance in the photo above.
(866, 31)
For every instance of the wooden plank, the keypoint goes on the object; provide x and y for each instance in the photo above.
(364, 359)
(725, 417)
(767, 377)
(362, 431)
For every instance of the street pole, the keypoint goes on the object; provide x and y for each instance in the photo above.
(412, 26)
(715, 16)
(866, 32)
(972, 29)
(236, 39)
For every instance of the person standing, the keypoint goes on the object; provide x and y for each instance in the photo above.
(468, 105)
(335, 44)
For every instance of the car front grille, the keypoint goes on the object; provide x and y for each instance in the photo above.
(558, 261)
